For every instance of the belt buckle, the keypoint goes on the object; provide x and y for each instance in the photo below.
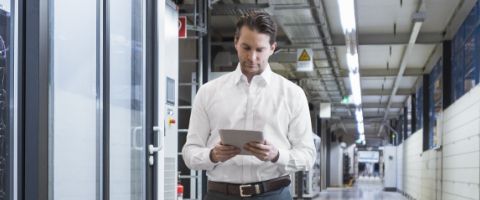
(257, 190)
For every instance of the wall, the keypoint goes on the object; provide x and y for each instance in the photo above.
(400, 166)
(452, 171)
(461, 148)
(431, 174)
(412, 168)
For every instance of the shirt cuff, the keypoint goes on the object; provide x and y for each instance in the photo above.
(210, 163)
(283, 158)
(203, 159)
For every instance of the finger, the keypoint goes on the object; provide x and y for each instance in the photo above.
(258, 146)
(259, 154)
(227, 147)
(228, 150)
(228, 156)
(221, 146)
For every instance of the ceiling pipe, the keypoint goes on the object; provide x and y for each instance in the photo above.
(325, 33)
(418, 19)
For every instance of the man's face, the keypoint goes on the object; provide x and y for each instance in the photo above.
(253, 50)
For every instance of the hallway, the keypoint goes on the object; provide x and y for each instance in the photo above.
(364, 189)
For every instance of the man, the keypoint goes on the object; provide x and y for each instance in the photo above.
(251, 98)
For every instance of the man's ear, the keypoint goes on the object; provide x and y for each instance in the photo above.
(235, 41)
(273, 46)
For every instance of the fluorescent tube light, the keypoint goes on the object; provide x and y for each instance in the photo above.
(360, 129)
(355, 87)
(347, 15)
(362, 137)
(359, 115)
(352, 62)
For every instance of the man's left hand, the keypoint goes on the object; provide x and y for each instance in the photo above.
(263, 151)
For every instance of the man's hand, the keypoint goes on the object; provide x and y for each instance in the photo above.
(221, 153)
(263, 151)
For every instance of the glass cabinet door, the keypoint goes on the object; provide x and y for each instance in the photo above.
(127, 100)
(75, 134)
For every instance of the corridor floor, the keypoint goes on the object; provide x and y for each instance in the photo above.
(364, 189)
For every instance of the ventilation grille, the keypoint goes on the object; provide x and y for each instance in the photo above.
(170, 179)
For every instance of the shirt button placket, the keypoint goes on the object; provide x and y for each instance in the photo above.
(249, 124)
(249, 171)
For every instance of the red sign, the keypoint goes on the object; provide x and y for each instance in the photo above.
(182, 27)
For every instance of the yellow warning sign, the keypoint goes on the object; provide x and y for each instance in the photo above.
(304, 56)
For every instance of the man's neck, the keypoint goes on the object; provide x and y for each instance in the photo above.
(249, 78)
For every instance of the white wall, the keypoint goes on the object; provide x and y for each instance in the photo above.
(461, 148)
(431, 169)
(452, 172)
(400, 166)
(412, 165)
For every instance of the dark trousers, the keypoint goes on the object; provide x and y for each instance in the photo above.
(280, 194)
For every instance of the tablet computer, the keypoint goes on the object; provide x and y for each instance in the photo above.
(239, 138)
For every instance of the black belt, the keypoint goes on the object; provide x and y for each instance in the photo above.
(249, 189)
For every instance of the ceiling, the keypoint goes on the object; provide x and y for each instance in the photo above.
(384, 29)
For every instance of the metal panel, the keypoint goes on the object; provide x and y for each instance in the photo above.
(167, 56)
(105, 55)
(35, 62)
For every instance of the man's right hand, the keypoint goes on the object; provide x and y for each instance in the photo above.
(221, 153)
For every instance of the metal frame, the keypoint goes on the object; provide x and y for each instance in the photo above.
(447, 70)
(106, 100)
(405, 123)
(202, 78)
(426, 109)
(20, 99)
(9, 141)
(35, 63)
(414, 113)
(151, 94)
(419, 108)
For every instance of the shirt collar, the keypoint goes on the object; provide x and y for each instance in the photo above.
(266, 75)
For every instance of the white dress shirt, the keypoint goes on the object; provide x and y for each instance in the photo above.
(270, 103)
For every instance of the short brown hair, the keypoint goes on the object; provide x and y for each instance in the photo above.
(259, 21)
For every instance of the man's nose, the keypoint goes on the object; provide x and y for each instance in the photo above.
(252, 56)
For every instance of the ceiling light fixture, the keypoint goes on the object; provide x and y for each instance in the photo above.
(347, 17)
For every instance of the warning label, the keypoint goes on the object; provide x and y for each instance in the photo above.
(304, 56)
(305, 60)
